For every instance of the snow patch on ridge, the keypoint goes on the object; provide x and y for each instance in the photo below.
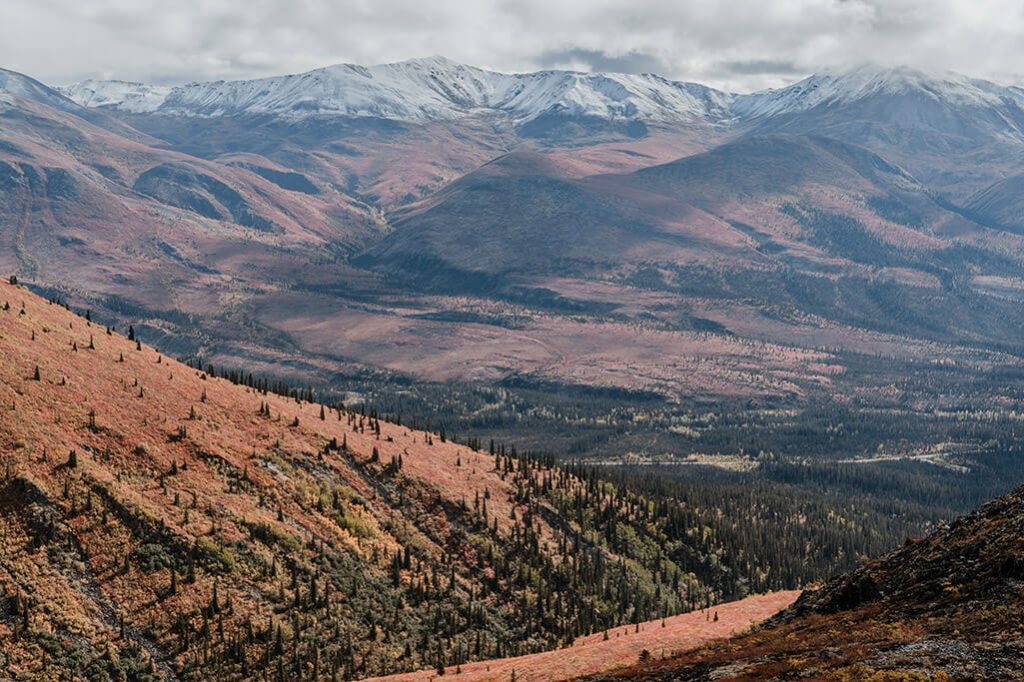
(20, 85)
(843, 87)
(134, 98)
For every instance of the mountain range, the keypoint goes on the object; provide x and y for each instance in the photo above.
(391, 217)
(418, 90)
(918, 114)
(439, 89)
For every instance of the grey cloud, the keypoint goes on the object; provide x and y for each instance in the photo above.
(595, 60)
(741, 45)
(758, 67)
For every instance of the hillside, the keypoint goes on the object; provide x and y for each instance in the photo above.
(1000, 204)
(729, 206)
(946, 606)
(106, 212)
(620, 647)
(776, 237)
(158, 518)
(954, 133)
(523, 203)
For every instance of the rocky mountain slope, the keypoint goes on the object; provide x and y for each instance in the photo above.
(945, 606)
(20, 85)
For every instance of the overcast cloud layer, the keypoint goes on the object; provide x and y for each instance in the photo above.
(731, 44)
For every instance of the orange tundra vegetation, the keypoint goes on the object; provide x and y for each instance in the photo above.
(622, 646)
(160, 523)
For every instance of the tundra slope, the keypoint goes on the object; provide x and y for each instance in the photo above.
(159, 521)
(622, 646)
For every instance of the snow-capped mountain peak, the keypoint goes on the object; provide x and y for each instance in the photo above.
(838, 87)
(438, 89)
(123, 95)
(432, 88)
(20, 85)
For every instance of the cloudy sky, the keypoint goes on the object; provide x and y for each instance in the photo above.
(733, 44)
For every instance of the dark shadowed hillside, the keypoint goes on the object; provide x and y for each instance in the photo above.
(946, 606)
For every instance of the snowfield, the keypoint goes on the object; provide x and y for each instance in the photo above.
(419, 90)
(438, 89)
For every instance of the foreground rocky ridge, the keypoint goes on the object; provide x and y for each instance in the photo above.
(946, 606)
